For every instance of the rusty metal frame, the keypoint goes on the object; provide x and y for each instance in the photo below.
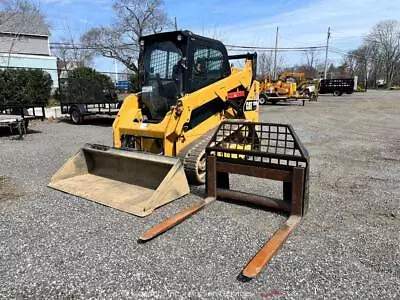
(223, 159)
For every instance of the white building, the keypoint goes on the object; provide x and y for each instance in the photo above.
(24, 43)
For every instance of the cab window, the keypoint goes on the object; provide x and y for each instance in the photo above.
(207, 67)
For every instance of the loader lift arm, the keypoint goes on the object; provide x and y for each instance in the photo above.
(187, 88)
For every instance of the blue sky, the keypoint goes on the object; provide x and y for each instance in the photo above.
(243, 22)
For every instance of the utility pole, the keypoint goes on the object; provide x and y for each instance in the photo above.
(116, 70)
(326, 53)
(366, 69)
(276, 51)
(176, 24)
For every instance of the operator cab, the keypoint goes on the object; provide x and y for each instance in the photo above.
(172, 64)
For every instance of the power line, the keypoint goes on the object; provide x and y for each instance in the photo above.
(343, 52)
(61, 69)
(70, 46)
(347, 37)
(290, 39)
(269, 50)
(273, 48)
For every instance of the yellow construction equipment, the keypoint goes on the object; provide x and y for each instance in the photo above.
(187, 89)
(289, 86)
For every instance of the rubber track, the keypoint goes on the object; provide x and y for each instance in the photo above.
(190, 154)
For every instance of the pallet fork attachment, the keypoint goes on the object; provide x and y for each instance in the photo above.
(263, 150)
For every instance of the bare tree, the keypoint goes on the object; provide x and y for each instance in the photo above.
(135, 18)
(351, 61)
(385, 39)
(312, 56)
(9, 6)
(70, 54)
(312, 60)
(265, 65)
(213, 33)
(368, 63)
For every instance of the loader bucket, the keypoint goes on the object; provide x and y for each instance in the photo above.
(131, 181)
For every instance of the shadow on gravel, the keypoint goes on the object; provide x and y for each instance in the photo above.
(258, 207)
(5, 131)
(200, 192)
(93, 121)
(287, 103)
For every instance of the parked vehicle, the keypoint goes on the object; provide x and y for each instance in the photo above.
(290, 87)
(337, 87)
(78, 111)
(17, 117)
(85, 92)
(23, 96)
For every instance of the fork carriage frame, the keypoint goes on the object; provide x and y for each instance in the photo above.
(263, 150)
(293, 185)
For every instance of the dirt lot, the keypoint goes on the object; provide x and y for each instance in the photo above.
(55, 245)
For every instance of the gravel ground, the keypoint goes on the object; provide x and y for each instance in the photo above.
(55, 245)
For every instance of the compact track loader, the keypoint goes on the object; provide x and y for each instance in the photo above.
(187, 88)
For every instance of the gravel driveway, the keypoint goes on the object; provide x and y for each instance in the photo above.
(55, 245)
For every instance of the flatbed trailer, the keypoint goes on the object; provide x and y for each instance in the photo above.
(78, 111)
(15, 123)
(275, 98)
(17, 117)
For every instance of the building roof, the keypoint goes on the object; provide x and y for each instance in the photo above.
(23, 23)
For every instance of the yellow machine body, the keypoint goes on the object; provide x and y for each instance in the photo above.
(170, 135)
(146, 168)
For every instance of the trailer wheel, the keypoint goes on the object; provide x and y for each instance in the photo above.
(262, 100)
(75, 116)
(337, 93)
(26, 124)
(20, 127)
(313, 97)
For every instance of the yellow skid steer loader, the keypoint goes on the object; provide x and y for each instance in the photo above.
(188, 87)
